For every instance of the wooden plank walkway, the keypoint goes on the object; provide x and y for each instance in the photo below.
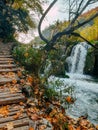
(10, 102)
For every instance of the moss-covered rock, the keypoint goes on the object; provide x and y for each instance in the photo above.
(95, 70)
(90, 60)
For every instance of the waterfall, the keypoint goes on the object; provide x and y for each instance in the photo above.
(76, 61)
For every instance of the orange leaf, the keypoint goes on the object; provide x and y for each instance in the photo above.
(22, 81)
(68, 99)
(35, 117)
(70, 127)
(4, 111)
(78, 128)
(31, 128)
(29, 79)
(36, 91)
(19, 73)
(14, 81)
(17, 115)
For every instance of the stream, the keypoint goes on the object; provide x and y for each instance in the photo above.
(85, 86)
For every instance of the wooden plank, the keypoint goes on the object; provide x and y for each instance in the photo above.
(7, 91)
(9, 70)
(6, 62)
(14, 112)
(10, 95)
(15, 107)
(7, 59)
(22, 128)
(7, 80)
(11, 118)
(12, 100)
(17, 123)
(7, 66)
(5, 56)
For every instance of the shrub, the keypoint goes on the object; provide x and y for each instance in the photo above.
(29, 57)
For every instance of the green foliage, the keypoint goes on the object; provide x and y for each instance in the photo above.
(14, 16)
(58, 90)
(28, 57)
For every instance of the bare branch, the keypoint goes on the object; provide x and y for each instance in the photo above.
(78, 35)
(81, 6)
(41, 20)
(67, 31)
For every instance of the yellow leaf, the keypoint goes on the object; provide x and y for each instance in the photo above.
(26, 54)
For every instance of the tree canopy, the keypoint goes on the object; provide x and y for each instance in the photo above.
(14, 15)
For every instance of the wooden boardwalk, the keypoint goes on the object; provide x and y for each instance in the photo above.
(12, 110)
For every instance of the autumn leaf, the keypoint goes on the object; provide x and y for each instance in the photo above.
(78, 128)
(91, 129)
(70, 127)
(69, 99)
(17, 115)
(84, 122)
(14, 81)
(35, 117)
(22, 81)
(31, 128)
(10, 126)
(19, 73)
(29, 79)
(36, 91)
(42, 127)
(13, 90)
(4, 111)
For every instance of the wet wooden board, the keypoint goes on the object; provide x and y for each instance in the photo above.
(9, 95)
(6, 62)
(20, 123)
(12, 99)
(7, 66)
(7, 80)
(9, 70)
(5, 56)
(6, 59)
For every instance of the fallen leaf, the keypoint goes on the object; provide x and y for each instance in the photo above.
(68, 99)
(70, 127)
(19, 73)
(14, 81)
(10, 126)
(35, 117)
(78, 128)
(4, 111)
(17, 115)
(31, 128)
(42, 127)
(29, 79)
(84, 122)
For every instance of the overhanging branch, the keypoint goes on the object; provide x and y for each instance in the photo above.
(41, 20)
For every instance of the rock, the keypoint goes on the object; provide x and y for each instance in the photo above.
(90, 60)
(27, 91)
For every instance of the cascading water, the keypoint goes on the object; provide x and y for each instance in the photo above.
(85, 88)
(76, 61)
